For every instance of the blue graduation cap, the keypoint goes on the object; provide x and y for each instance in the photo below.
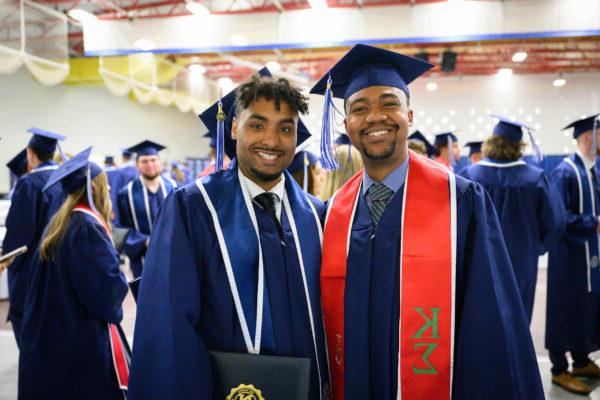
(18, 165)
(43, 140)
(302, 160)
(109, 160)
(583, 125)
(513, 130)
(363, 66)
(126, 153)
(474, 147)
(418, 136)
(218, 119)
(342, 139)
(146, 148)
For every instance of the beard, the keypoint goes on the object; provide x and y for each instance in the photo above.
(264, 176)
(150, 177)
(381, 155)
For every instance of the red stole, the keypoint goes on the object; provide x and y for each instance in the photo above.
(118, 348)
(427, 265)
(444, 162)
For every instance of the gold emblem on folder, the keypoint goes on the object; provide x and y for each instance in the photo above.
(245, 392)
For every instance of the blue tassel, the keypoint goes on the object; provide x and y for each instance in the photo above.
(537, 152)
(305, 166)
(220, 157)
(594, 139)
(90, 195)
(63, 157)
(328, 160)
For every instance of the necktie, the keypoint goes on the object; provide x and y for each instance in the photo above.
(267, 202)
(379, 194)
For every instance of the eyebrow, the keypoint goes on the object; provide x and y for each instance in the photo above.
(382, 97)
(265, 119)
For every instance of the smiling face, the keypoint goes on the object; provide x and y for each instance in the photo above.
(266, 140)
(378, 119)
(150, 167)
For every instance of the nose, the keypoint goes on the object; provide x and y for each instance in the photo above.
(375, 115)
(270, 138)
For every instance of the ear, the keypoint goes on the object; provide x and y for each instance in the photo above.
(410, 117)
(234, 128)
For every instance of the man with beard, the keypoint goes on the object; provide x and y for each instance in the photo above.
(233, 263)
(139, 201)
(573, 308)
(408, 238)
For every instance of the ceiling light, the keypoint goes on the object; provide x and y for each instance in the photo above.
(238, 40)
(432, 86)
(318, 4)
(505, 72)
(145, 44)
(537, 110)
(81, 15)
(197, 8)
(560, 81)
(274, 66)
(519, 56)
(197, 69)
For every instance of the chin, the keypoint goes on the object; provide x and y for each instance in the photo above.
(266, 176)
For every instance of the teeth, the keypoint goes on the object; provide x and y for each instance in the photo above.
(267, 156)
(377, 133)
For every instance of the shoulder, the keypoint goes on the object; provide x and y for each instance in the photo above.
(85, 226)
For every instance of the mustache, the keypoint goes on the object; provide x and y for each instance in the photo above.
(363, 132)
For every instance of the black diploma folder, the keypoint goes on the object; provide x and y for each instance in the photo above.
(248, 376)
(119, 237)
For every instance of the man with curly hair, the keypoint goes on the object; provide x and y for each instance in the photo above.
(234, 258)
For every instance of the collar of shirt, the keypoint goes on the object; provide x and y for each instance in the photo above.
(589, 164)
(254, 190)
(394, 180)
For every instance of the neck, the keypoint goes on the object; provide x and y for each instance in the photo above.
(265, 185)
(586, 151)
(152, 184)
(378, 170)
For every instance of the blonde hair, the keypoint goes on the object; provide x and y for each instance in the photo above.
(348, 168)
(58, 225)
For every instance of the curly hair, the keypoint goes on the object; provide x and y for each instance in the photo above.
(279, 90)
(503, 149)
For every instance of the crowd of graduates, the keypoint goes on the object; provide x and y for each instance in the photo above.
(342, 259)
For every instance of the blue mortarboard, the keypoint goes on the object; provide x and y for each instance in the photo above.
(342, 139)
(228, 106)
(301, 159)
(73, 173)
(513, 130)
(42, 140)
(126, 153)
(442, 139)
(109, 160)
(364, 66)
(583, 125)
(146, 148)
(417, 135)
(474, 147)
(18, 165)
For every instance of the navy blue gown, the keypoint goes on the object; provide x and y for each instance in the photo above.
(65, 352)
(128, 173)
(115, 181)
(185, 306)
(30, 210)
(494, 356)
(572, 313)
(531, 215)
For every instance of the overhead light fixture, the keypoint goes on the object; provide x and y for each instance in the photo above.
(81, 15)
(226, 84)
(560, 81)
(432, 86)
(145, 44)
(318, 4)
(273, 66)
(238, 40)
(505, 72)
(197, 69)
(197, 8)
(519, 56)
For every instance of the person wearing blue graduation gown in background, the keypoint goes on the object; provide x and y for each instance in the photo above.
(447, 149)
(573, 304)
(76, 289)
(30, 210)
(530, 210)
(419, 143)
(494, 356)
(115, 183)
(127, 168)
(18, 166)
(196, 297)
(139, 202)
(305, 170)
(475, 153)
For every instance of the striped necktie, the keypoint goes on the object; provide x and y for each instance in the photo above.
(379, 194)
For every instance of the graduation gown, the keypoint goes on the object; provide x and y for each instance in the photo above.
(65, 352)
(30, 210)
(128, 172)
(531, 215)
(494, 356)
(115, 181)
(572, 312)
(140, 225)
(186, 307)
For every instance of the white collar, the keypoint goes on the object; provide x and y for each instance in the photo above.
(589, 164)
(254, 190)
